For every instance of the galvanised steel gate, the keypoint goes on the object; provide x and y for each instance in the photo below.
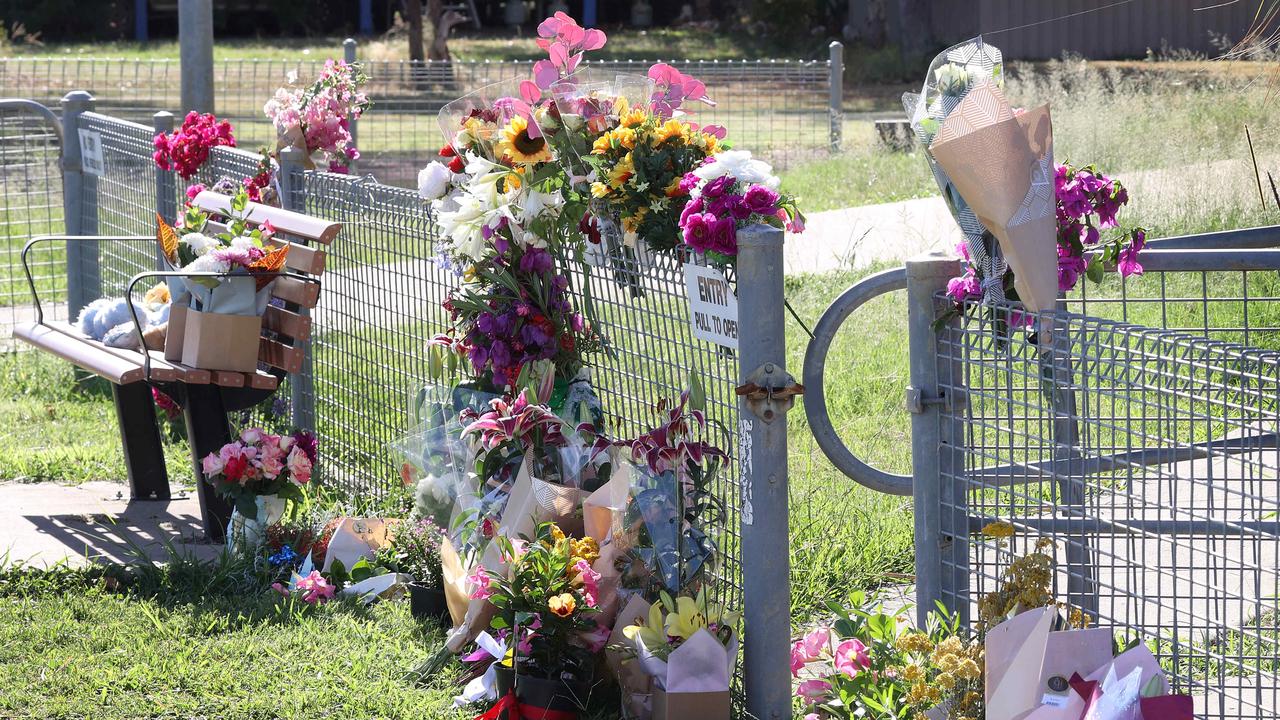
(1137, 429)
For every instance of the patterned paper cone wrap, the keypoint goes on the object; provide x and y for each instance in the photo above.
(1002, 165)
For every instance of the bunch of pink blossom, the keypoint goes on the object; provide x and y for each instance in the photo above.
(730, 191)
(314, 589)
(1087, 204)
(319, 115)
(260, 463)
(187, 148)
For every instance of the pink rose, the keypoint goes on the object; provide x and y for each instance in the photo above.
(251, 436)
(299, 467)
(211, 465)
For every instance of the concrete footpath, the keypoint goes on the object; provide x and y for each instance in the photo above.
(46, 523)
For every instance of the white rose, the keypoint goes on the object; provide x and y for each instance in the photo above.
(434, 181)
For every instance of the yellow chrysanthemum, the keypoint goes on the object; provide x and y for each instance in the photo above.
(998, 529)
(556, 533)
(584, 549)
(518, 147)
(599, 190)
(671, 129)
(634, 118)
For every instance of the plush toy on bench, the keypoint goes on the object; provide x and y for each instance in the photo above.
(108, 321)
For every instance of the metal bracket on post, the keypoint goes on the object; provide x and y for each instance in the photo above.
(769, 391)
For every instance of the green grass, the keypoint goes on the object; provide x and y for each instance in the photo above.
(56, 429)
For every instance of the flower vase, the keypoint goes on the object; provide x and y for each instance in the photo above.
(246, 534)
(428, 603)
(542, 697)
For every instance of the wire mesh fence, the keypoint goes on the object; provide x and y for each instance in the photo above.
(30, 205)
(777, 108)
(1148, 455)
(381, 303)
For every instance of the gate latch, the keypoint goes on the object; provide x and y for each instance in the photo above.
(769, 390)
(917, 401)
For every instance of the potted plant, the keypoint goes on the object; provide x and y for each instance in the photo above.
(415, 551)
(546, 601)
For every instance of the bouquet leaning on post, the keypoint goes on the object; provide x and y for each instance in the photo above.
(317, 118)
(259, 473)
(215, 321)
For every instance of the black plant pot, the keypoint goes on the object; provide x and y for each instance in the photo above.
(428, 603)
(536, 693)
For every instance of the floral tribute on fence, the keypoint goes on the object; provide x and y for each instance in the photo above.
(567, 545)
(1029, 234)
(1029, 657)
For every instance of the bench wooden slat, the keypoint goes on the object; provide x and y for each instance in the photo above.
(293, 290)
(161, 369)
(258, 379)
(280, 356)
(288, 221)
(87, 354)
(191, 375)
(291, 325)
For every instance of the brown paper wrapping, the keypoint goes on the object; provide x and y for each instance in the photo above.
(295, 139)
(991, 156)
(214, 341)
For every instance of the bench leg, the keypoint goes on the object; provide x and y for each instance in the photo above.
(208, 431)
(140, 437)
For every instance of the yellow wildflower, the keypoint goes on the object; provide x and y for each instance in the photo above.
(912, 673)
(585, 549)
(556, 533)
(998, 529)
(914, 642)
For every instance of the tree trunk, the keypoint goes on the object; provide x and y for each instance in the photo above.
(413, 15)
(915, 18)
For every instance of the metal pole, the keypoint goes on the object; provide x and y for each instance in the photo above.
(766, 572)
(140, 20)
(349, 55)
(366, 17)
(195, 50)
(166, 183)
(926, 275)
(79, 208)
(301, 384)
(835, 83)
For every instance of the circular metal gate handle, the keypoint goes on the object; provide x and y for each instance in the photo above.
(815, 403)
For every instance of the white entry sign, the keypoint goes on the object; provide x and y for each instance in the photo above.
(91, 152)
(713, 308)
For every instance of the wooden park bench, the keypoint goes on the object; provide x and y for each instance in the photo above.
(206, 396)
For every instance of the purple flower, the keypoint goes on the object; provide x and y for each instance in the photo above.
(724, 236)
(306, 442)
(692, 207)
(688, 182)
(761, 200)
(718, 187)
(576, 322)
(964, 287)
(697, 231)
(536, 261)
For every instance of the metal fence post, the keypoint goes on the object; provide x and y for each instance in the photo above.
(926, 275)
(835, 83)
(349, 55)
(766, 572)
(302, 383)
(166, 183)
(195, 52)
(79, 208)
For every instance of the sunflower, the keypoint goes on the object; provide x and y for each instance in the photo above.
(671, 129)
(622, 172)
(518, 147)
(634, 118)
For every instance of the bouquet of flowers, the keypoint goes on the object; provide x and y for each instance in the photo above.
(729, 192)
(215, 322)
(187, 148)
(1087, 203)
(259, 473)
(315, 118)
(545, 595)
(674, 658)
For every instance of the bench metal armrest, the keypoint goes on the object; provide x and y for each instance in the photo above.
(26, 267)
(133, 311)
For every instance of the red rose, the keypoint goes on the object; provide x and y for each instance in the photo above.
(457, 164)
(448, 151)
